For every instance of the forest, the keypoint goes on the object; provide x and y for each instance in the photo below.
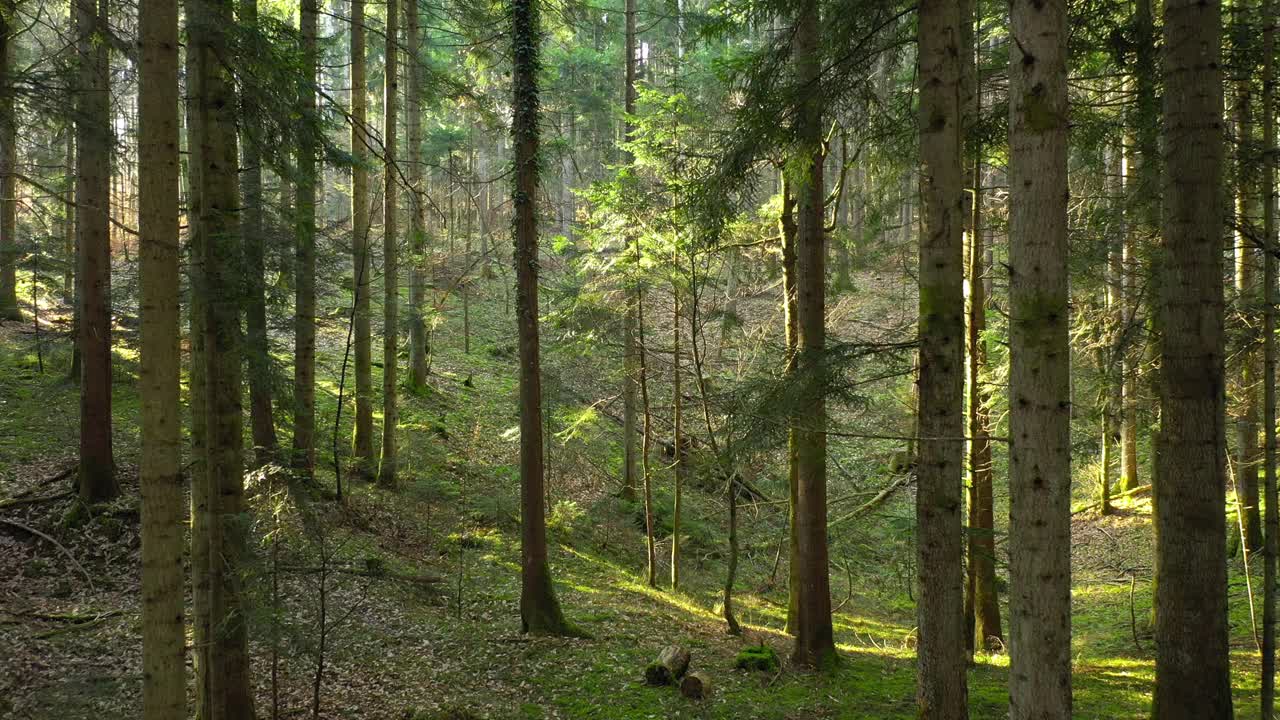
(623, 359)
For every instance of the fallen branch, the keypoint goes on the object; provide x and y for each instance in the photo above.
(874, 502)
(20, 500)
(55, 543)
(1128, 493)
(84, 625)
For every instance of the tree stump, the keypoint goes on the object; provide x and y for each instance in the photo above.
(671, 665)
(696, 686)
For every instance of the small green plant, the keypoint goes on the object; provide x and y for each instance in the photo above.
(565, 516)
(759, 658)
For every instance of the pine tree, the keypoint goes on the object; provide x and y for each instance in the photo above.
(364, 462)
(390, 252)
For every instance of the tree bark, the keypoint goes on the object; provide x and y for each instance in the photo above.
(815, 645)
(941, 690)
(1192, 661)
(417, 208)
(304, 360)
(93, 193)
(539, 609)
(677, 421)
(261, 415)
(390, 261)
(164, 687)
(8, 162)
(791, 331)
(1039, 393)
(630, 363)
(1272, 517)
(364, 464)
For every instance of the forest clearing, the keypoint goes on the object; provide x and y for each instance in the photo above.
(761, 359)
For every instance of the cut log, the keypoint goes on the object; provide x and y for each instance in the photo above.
(696, 686)
(671, 665)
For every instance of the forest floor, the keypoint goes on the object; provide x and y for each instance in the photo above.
(419, 589)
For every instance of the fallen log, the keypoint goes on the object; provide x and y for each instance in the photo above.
(696, 686)
(671, 665)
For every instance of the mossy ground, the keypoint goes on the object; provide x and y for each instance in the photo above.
(400, 648)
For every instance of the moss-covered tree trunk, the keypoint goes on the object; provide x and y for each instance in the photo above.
(941, 690)
(8, 162)
(1192, 656)
(539, 609)
(164, 687)
(1039, 392)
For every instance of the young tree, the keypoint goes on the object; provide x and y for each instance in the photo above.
(93, 196)
(1039, 387)
(8, 161)
(212, 89)
(942, 691)
(304, 359)
(365, 463)
(164, 687)
(539, 609)
(815, 643)
(252, 227)
(390, 236)
(1192, 661)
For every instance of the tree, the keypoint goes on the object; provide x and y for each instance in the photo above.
(1039, 387)
(1192, 666)
(164, 690)
(417, 207)
(539, 610)
(362, 276)
(252, 228)
(304, 360)
(93, 266)
(942, 691)
(8, 160)
(390, 273)
(220, 255)
(1272, 496)
(630, 350)
(815, 644)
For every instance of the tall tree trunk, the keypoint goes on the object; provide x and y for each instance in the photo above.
(986, 631)
(1127, 289)
(164, 689)
(390, 262)
(791, 331)
(651, 563)
(221, 259)
(69, 217)
(1039, 393)
(629, 351)
(1272, 518)
(539, 609)
(1192, 661)
(261, 416)
(93, 192)
(941, 690)
(1246, 256)
(8, 162)
(417, 208)
(815, 645)
(304, 360)
(364, 462)
(677, 422)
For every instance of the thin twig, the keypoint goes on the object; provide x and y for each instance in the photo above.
(33, 531)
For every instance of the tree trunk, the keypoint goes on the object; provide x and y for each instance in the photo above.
(253, 227)
(164, 690)
(417, 206)
(221, 257)
(539, 609)
(671, 665)
(8, 162)
(304, 360)
(1248, 454)
(1269, 361)
(1039, 394)
(651, 564)
(696, 686)
(941, 690)
(677, 420)
(390, 262)
(93, 192)
(815, 645)
(364, 464)
(791, 331)
(629, 358)
(1192, 661)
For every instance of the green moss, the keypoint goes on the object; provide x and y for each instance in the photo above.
(760, 658)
